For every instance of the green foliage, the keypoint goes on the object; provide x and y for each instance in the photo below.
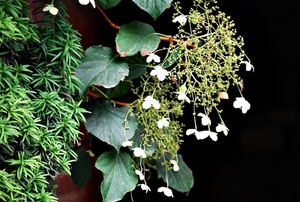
(117, 124)
(119, 178)
(98, 68)
(134, 37)
(153, 7)
(39, 118)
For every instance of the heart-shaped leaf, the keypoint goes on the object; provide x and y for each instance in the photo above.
(134, 37)
(101, 66)
(108, 123)
(153, 7)
(119, 177)
(181, 180)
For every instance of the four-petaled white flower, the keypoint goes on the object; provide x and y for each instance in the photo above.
(181, 19)
(138, 152)
(145, 187)
(249, 66)
(168, 192)
(203, 134)
(51, 8)
(175, 165)
(150, 101)
(222, 128)
(164, 122)
(205, 119)
(154, 57)
(242, 104)
(127, 143)
(160, 72)
(182, 96)
(140, 174)
(86, 2)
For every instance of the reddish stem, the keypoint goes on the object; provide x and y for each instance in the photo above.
(168, 39)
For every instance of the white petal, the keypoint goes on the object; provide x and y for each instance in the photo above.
(93, 3)
(181, 19)
(201, 135)
(190, 131)
(168, 192)
(249, 66)
(127, 143)
(145, 188)
(84, 2)
(154, 57)
(138, 152)
(182, 96)
(140, 174)
(163, 123)
(175, 165)
(46, 8)
(205, 119)
(238, 102)
(245, 107)
(53, 10)
(213, 136)
(155, 104)
(147, 102)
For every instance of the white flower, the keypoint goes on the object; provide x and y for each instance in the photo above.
(160, 72)
(181, 19)
(205, 119)
(138, 152)
(154, 57)
(182, 96)
(86, 2)
(223, 128)
(241, 103)
(168, 192)
(150, 101)
(202, 134)
(164, 122)
(53, 10)
(145, 187)
(127, 143)
(249, 67)
(175, 165)
(140, 174)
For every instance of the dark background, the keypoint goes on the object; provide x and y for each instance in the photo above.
(259, 159)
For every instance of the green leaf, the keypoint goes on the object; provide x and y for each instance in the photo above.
(82, 168)
(137, 66)
(121, 89)
(106, 4)
(107, 123)
(119, 178)
(136, 36)
(181, 180)
(154, 7)
(101, 66)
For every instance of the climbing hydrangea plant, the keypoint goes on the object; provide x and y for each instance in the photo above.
(46, 80)
(197, 68)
